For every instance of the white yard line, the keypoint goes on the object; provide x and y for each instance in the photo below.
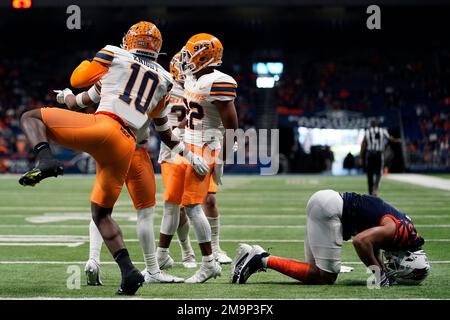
(422, 180)
(224, 226)
(139, 262)
(41, 244)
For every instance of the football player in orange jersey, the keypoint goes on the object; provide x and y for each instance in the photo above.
(133, 87)
(141, 186)
(209, 95)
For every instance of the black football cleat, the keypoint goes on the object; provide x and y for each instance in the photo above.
(247, 262)
(131, 283)
(45, 168)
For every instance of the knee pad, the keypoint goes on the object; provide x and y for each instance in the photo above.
(146, 213)
(171, 218)
(199, 223)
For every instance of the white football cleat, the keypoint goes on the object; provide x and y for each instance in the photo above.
(205, 273)
(222, 257)
(189, 261)
(165, 262)
(92, 270)
(160, 277)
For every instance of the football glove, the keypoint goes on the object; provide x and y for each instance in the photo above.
(62, 94)
(200, 165)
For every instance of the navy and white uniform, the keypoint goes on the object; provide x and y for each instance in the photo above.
(362, 212)
(333, 218)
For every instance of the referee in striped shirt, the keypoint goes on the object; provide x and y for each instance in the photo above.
(372, 151)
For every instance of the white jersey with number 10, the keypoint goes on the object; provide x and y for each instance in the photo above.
(133, 87)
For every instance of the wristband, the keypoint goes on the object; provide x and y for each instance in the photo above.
(164, 127)
(79, 100)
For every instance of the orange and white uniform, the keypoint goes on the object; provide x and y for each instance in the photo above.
(132, 89)
(203, 134)
(176, 114)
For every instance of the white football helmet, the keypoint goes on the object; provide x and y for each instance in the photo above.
(406, 267)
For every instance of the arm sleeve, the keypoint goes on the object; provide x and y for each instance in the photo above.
(94, 92)
(88, 73)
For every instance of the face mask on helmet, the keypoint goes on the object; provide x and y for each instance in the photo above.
(406, 267)
(176, 68)
(201, 51)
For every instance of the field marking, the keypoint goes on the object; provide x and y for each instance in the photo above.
(140, 262)
(224, 226)
(131, 216)
(217, 299)
(422, 180)
(76, 241)
(41, 244)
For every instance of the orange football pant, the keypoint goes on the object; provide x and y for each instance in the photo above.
(140, 180)
(103, 138)
(182, 184)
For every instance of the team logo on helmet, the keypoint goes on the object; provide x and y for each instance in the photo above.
(201, 51)
(143, 38)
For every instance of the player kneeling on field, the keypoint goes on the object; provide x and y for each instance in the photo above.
(333, 217)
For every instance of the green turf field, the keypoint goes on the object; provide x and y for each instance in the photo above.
(36, 250)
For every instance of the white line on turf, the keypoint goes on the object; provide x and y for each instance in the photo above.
(41, 244)
(225, 226)
(422, 180)
(139, 262)
(50, 217)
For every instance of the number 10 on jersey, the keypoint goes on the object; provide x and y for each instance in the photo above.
(148, 84)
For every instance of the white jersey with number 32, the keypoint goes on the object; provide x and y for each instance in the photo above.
(132, 87)
(204, 122)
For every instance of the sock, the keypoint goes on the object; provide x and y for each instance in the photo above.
(264, 261)
(146, 236)
(95, 242)
(292, 268)
(208, 260)
(199, 223)
(123, 260)
(184, 240)
(42, 150)
(162, 252)
(215, 230)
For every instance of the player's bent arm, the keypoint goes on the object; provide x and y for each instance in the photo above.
(165, 133)
(81, 100)
(228, 115)
(169, 139)
(87, 73)
(368, 242)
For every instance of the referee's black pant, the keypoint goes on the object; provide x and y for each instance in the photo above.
(374, 167)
